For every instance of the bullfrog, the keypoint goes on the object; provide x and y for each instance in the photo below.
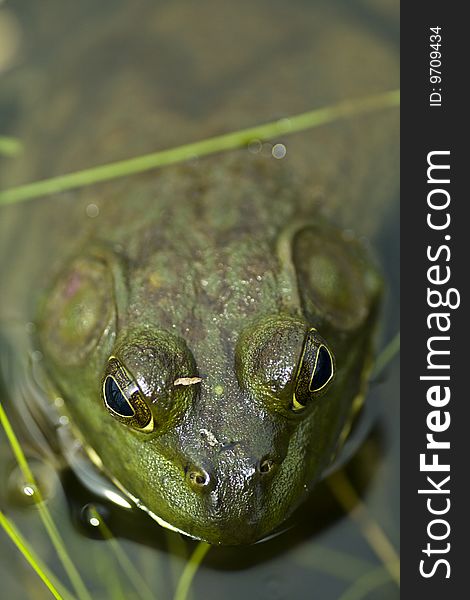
(205, 332)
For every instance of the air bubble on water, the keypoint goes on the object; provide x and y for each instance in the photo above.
(255, 146)
(93, 515)
(285, 123)
(26, 494)
(92, 211)
(279, 151)
(28, 490)
(266, 149)
(63, 420)
(30, 327)
(36, 355)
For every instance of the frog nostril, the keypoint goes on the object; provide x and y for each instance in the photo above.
(197, 478)
(266, 465)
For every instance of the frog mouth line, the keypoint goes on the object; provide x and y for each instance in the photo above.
(95, 460)
(277, 532)
(154, 516)
(139, 504)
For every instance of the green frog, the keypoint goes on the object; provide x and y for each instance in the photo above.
(205, 331)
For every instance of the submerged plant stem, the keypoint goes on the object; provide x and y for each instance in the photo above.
(365, 584)
(126, 565)
(349, 500)
(229, 141)
(29, 555)
(10, 147)
(190, 570)
(334, 562)
(44, 514)
(387, 355)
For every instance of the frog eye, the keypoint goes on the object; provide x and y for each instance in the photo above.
(315, 371)
(123, 398)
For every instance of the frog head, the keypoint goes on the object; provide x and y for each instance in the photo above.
(217, 427)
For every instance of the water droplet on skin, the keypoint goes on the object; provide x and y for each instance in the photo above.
(279, 151)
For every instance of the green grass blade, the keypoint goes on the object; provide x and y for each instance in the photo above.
(35, 562)
(229, 141)
(336, 563)
(377, 539)
(123, 560)
(190, 570)
(44, 514)
(387, 355)
(106, 573)
(10, 147)
(366, 584)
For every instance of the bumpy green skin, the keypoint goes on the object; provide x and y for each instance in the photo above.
(219, 285)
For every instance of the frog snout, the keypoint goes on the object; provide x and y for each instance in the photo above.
(231, 491)
(199, 479)
(204, 479)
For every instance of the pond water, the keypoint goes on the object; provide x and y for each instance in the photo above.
(86, 83)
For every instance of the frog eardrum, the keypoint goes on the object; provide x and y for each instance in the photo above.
(123, 398)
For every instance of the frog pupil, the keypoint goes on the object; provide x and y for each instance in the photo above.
(323, 370)
(115, 400)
